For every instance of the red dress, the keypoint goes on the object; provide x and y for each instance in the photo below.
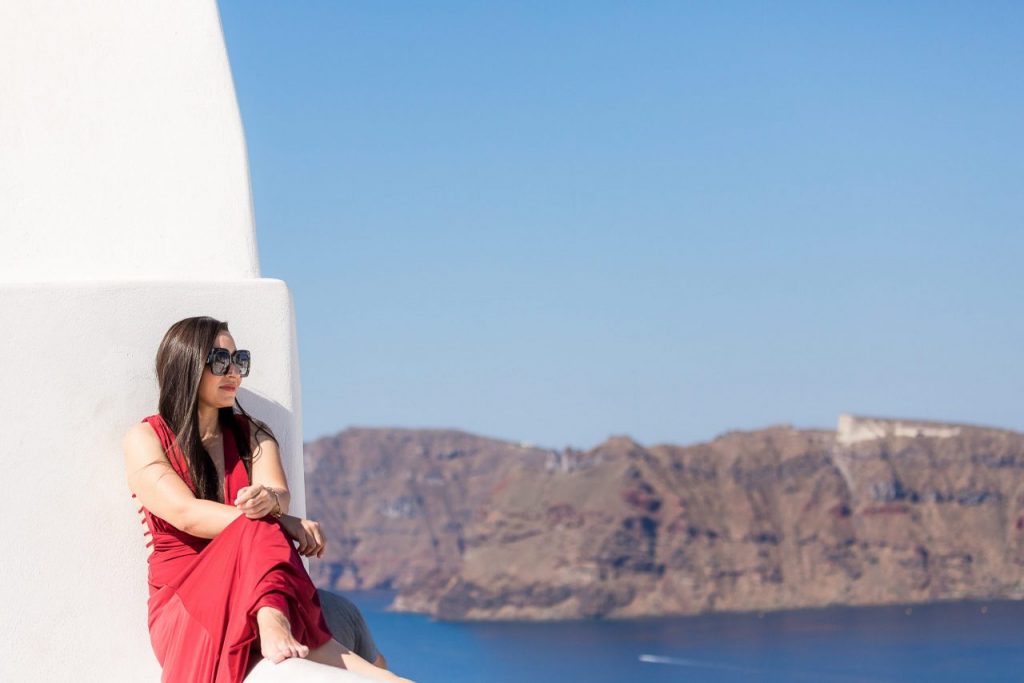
(204, 593)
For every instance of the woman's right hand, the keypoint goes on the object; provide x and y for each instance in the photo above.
(306, 532)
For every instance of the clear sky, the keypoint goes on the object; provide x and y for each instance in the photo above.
(555, 222)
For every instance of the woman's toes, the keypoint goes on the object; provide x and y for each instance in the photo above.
(279, 652)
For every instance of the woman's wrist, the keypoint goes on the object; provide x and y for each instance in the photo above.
(283, 498)
(275, 511)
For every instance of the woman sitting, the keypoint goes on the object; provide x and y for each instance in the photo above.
(226, 584)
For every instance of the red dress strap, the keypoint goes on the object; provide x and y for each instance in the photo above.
(169, 440)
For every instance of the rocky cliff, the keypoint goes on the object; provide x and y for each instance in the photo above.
(877, 511)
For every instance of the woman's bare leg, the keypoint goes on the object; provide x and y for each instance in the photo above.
(276, 640)
(335, 654)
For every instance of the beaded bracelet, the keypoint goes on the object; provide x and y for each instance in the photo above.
(276, 511)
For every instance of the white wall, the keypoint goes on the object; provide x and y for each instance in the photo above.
(853, 428)
(122, 153)
(77, 362)
(124, 207)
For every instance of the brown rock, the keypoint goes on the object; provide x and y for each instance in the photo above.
(466, 527)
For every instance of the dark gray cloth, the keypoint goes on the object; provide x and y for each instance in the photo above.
(347, 624)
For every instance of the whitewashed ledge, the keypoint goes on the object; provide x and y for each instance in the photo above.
(298, 669)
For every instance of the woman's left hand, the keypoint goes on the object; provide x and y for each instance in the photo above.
(307, 533)
(255, 501)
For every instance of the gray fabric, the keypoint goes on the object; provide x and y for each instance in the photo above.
(347, 624)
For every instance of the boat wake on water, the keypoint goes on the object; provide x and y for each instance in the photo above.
(809, 675)
(677, 661)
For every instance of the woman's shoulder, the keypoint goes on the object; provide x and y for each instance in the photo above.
(146, 426)
(257, 431)
(141, 442)
(146, 432)
(250, 421)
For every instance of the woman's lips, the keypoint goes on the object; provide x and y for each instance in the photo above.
(228, 387)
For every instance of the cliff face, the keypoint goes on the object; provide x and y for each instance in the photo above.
(470, 528)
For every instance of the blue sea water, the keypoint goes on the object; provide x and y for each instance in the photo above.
(947, 642)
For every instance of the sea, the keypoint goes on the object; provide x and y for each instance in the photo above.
(955, 642)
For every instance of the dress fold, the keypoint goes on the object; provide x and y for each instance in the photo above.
(204, 593)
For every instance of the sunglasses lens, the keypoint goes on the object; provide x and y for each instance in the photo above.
(219, 362)
(242, 360)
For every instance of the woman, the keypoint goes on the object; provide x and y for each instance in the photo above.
(226, 584)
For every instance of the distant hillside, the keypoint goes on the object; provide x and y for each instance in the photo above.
(467, 527)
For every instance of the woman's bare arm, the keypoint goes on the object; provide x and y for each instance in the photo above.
(159, 488)
(266, 465)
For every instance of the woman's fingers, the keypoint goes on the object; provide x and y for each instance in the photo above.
(306, 542)
(310, 542)
(247, 493)
(316, 539)
(317, 536)
(251, 504)
(255, 501)
(307, 534)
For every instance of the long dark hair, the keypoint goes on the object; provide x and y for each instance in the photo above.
(180, 361)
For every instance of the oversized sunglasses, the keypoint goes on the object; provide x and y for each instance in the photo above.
(220, 360)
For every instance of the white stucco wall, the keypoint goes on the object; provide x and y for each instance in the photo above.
(122, 153)
(124, 207)
(77, 362)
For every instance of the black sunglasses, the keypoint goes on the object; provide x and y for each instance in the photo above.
(220, 360)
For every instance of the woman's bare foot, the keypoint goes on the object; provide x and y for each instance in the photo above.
(276, 641)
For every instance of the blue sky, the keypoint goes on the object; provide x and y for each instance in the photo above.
(556, 222)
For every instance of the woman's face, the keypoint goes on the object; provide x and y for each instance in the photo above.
(219, 391)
